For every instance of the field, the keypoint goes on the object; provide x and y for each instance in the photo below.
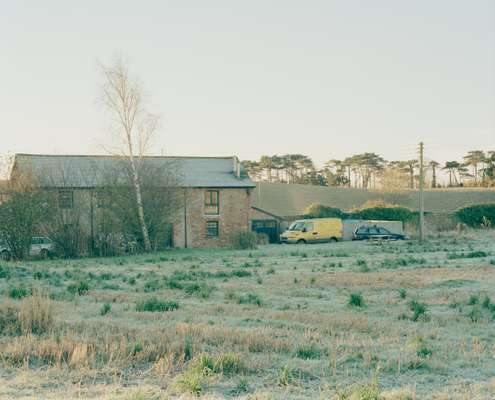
(331, 321)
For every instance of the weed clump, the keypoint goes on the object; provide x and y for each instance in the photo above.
(153, 304)
(105, 309)
(309, 352)
(81, 288)
(18, 292)
(419, 310)
(356, 300)
(245, 298)
(202, 289)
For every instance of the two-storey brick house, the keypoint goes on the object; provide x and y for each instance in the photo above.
(215, 192)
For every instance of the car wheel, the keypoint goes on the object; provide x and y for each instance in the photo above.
(44, 254)
(5, 255)
(334, 240)
(301, 241)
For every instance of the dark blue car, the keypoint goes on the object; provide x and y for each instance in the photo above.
(376, 232)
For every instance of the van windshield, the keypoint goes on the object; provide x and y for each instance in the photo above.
(296, 226)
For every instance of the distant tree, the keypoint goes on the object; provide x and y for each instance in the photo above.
(253, 169)
(433, 165)
(334, 172)
(473, 159)
(451, 167)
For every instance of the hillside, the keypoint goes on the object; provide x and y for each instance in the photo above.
(287, 200)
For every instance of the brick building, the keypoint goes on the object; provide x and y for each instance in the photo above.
(215, 192)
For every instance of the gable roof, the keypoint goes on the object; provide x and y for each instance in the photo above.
(84, 171)
(288, 200)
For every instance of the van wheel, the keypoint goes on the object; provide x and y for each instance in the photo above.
(301, 241)
(44, 254)
(334, 240)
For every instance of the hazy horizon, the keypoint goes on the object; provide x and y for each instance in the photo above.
(325, 78)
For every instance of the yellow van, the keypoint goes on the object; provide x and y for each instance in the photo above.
(315, 230)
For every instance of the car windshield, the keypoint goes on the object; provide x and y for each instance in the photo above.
(296, 226)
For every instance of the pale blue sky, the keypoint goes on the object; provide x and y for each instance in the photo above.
(324, 78)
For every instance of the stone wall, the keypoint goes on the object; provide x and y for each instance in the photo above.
(234, 215)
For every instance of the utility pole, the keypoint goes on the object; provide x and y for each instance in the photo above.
(421, 194)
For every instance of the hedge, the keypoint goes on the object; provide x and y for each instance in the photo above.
(320, 211)
(393, 213)
(384, 213)
(477, 216)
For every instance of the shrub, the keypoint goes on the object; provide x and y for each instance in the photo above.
(402, 293)
(155, 305)
(477, 216)
(36, 315)
(243, 240)
(356, 300)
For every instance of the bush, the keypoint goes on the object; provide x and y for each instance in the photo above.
(477, 216)
(155, 305)
(316, 210)
(356, 300)
(243, 240)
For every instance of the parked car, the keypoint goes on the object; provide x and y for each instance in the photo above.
(376, 233)
(316, 230)
(40, 247)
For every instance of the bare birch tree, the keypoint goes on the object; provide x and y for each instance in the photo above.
(135, 126)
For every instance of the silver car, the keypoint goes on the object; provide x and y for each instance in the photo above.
(40, 247)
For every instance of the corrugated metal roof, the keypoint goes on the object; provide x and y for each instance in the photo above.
(90, 171)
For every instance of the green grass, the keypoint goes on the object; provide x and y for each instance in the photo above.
(396, 321)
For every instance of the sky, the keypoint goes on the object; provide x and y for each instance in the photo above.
(327, 78)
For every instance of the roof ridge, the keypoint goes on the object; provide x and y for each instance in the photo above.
(118, 156)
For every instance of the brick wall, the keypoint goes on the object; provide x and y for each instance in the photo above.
(234, 215)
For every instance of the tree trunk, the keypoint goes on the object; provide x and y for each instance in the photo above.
(139, 202)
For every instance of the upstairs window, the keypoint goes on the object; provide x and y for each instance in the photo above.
(66, 199)
(211, 228)
(212, 202)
